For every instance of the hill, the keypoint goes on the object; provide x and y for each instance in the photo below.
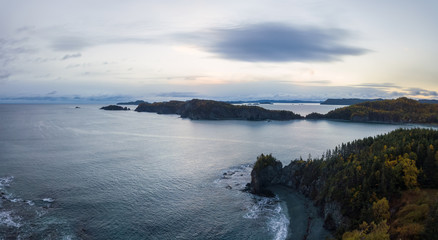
(347, 101)
(401, 110)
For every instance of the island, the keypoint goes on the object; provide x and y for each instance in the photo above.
(351, 101)
(347, 101)
(115, 108)
(401, 110)
(383, 187)
(131, 103)
(197, 109)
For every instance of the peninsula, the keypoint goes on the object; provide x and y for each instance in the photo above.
(401, 110)
(383, 187)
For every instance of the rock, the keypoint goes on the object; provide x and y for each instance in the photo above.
(266, 172)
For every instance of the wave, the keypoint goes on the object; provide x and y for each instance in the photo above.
(271, 211)
(19, 217)
(7, 219)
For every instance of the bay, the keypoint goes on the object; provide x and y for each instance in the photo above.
(85, 173)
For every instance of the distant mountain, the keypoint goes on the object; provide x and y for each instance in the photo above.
(347, 101)
(131, 103)
(428, 101)
(263, 101)
(213, 110)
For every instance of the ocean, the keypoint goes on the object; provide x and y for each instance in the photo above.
(85, 173)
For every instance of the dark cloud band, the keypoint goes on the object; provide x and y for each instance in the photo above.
(277, 42)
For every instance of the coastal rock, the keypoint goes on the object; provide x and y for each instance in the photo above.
(266, 172)
(269, 172)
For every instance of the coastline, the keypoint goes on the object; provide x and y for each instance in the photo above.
(304, 221)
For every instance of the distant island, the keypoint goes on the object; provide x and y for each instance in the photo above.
(214, 110)
(351, 101)
(115, 108)
(383, 187)
(272, 101)
(131, 103)
(401, 110)
(347, 101)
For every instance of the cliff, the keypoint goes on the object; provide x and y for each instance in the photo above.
(385, 186)
(214, 110)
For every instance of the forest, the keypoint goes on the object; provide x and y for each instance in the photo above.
(387, 186)
(401, 110)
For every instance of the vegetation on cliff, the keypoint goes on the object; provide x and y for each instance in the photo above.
(214, 110)
(386, 186)
(401, 110)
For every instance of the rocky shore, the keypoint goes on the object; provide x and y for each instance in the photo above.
(269, 172)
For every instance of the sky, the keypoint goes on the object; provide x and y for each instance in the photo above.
(225, 50)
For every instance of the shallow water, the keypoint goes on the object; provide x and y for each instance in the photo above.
(92, 174)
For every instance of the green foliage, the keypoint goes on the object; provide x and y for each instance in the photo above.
(264, 161)
(363, 176)
(399, 110)
(381, 210)
(370, 231)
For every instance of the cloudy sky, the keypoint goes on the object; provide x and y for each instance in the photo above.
(225, 50)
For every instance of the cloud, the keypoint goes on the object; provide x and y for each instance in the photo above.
(378, 85)
(70, 44)
(75, 55)
(74, 43)
(422, 92)
(4, 75)
(178, 94)
(277, 42)
(52, 93)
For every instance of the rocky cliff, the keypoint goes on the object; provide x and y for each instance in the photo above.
(269, 172)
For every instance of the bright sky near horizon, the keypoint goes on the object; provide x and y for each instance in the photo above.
(224, 50)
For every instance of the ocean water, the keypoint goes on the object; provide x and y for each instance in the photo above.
(85, 173)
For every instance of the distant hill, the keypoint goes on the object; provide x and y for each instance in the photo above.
(347, 101)
(214, 110)
(131, 103)
(401, 110)
(351, 101)
(267, 101)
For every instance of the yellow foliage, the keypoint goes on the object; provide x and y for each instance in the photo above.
(381, 210)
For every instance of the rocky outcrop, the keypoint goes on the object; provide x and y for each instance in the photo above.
(213, 110)
(296, 177)
(115, 107)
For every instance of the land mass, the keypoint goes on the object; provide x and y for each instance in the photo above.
(213, 110)
(115, 108)
(383, 187)
(401, 110)
(351, 101)
(131, 103)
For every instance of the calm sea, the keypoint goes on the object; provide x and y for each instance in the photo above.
(85, 173)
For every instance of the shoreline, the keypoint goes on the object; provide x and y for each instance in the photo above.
(304, 221)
